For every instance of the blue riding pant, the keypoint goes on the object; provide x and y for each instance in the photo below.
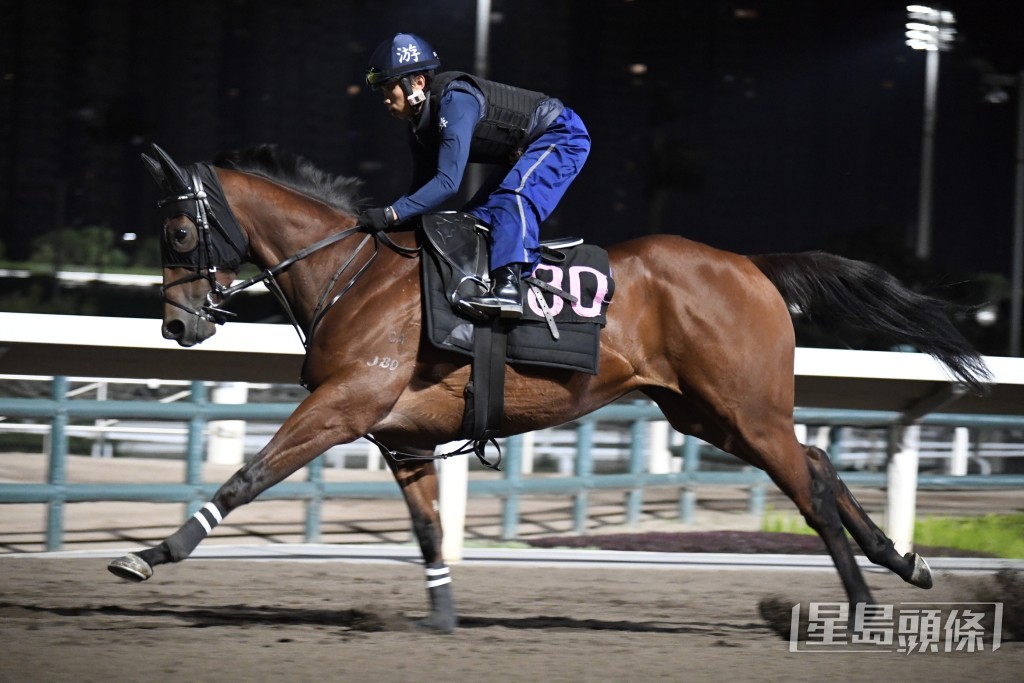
(532, 189)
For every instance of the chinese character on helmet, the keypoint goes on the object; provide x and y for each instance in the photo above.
(404, 54)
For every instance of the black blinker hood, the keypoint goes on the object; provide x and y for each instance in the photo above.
(224, 243)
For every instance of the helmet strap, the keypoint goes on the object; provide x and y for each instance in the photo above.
(414, 98)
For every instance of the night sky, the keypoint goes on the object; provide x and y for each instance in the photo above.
(758, 126)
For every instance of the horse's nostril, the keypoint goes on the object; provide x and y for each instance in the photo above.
(174, 329)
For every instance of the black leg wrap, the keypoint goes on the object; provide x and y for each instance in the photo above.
(179, 545)
(442, 607)
(182, 542)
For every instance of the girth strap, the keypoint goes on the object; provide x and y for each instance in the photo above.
(485, 392)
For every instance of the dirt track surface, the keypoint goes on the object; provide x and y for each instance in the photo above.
(70, 620)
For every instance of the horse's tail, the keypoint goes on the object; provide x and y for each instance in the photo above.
(836, 292)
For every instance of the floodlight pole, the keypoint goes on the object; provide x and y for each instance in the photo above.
(924, 216)
(481, 67)
(1017, 270)
(483, 37)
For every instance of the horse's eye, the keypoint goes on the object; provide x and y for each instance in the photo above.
(181, 238)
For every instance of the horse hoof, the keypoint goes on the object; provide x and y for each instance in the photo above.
(131, 567)
(922, 574)
(437, 624)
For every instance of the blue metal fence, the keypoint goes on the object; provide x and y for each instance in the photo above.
(57, 491)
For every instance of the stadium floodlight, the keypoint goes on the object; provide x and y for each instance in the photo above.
(930, 29)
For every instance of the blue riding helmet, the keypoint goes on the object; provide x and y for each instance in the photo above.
(404, 54)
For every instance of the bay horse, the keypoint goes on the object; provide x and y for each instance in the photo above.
(706, 334)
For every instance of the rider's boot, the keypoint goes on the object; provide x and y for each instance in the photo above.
(506, 296)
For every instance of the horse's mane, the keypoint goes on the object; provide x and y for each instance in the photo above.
(295, 172)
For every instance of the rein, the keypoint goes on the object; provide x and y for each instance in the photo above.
(323, 304)
(267, 275)
(212, 311)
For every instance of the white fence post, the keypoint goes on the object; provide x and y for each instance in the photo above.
(961, 446)
(453, 480)
(528, 439)
(101, 448)
(659, 457)
(821, 438)
(374, 459)
(901, 494)
(801, 433)
(226, 442)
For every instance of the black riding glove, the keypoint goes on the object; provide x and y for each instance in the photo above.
(377, 218)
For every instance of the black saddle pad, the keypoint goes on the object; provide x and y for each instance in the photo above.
(581, 271)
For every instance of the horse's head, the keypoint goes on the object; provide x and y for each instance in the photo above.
(202, 247)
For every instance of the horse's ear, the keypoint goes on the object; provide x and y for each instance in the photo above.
(175, 175)
(153, 166)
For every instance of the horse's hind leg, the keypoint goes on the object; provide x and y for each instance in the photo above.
(418, 481)
(878, 547)
(835, 506)
(815, 488)
(805, 475)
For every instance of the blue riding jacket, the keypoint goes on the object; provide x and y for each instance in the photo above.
(539, 145)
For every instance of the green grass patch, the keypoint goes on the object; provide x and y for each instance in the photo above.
(1001, 535)
(786, 523)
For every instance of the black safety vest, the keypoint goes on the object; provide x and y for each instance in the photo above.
(512, 117)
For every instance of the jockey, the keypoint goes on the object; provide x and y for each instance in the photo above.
(456, 118)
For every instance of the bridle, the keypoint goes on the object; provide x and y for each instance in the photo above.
(214, 235)
(204, 266)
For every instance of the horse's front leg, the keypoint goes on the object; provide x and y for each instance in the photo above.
(316, 425)
(418, 481)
